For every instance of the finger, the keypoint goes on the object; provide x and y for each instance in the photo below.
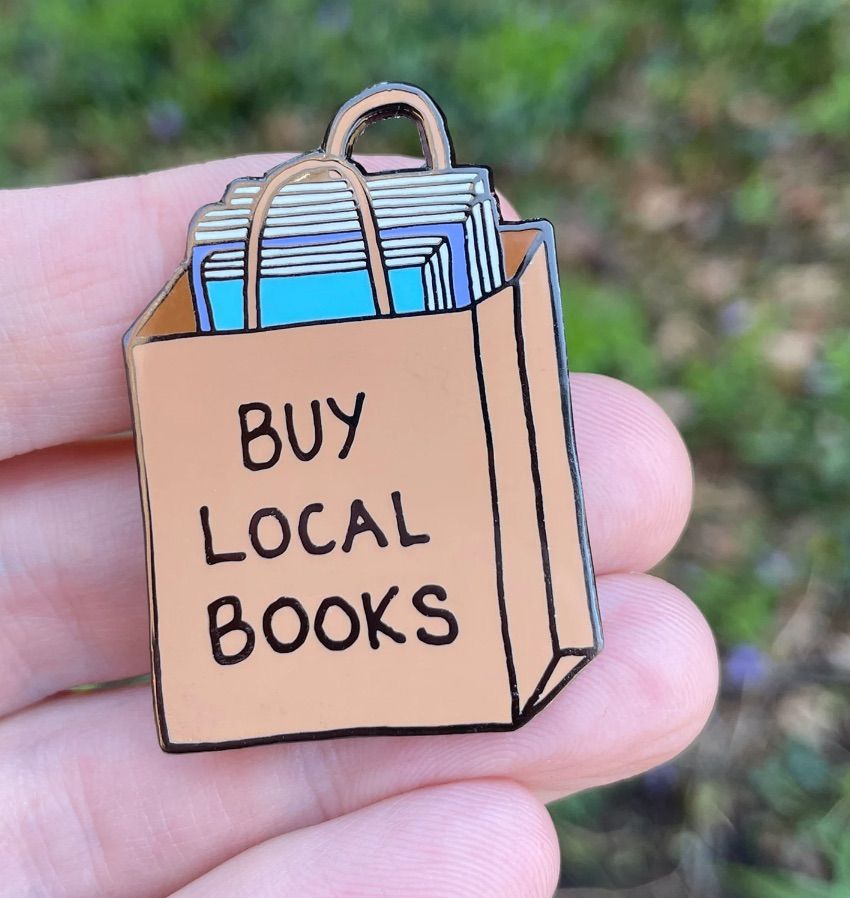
(484, 838)
(636, 472)
(84, 785)
(72, 571)
(72, 580)
(80, 264)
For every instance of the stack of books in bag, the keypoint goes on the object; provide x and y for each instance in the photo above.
(437, 232)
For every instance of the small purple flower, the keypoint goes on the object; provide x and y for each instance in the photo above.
(165, 120)
(736, 318)
(745, 667)
(661, 780)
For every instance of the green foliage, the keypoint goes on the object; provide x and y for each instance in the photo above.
(757, 884)
(827, 833)
(609, 332)
(693, 156)
(755, 201)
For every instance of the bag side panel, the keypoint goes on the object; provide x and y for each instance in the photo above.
(573, 592)
(532, 636)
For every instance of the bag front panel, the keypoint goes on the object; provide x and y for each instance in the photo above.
(415, 464)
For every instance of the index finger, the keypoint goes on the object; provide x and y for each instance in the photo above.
(77, 265)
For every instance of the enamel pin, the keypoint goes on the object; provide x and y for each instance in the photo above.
(360, 489)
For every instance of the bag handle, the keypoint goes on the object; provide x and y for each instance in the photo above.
(387, 100)
(300, 170)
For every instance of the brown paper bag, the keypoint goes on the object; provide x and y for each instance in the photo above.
(363, 526)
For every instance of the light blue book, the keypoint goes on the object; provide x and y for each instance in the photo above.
(324, 281)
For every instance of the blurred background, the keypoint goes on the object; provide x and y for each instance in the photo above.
(695, 160)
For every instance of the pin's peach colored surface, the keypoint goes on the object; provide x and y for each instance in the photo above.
(422, 433)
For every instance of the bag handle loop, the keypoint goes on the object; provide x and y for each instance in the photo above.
(300, 170)
(388, 100)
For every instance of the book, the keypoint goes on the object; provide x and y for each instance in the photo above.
(437, 232)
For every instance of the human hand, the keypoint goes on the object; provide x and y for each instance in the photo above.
(92, 807)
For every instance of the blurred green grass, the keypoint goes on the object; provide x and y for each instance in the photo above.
(694, 157)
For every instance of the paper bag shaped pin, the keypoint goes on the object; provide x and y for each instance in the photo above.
(357, 466)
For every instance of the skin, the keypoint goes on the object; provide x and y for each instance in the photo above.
(92, 807)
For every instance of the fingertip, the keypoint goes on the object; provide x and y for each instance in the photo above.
(510, 837)
(658, 641)
(683, 675)
(641, 702)
(636, 473)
